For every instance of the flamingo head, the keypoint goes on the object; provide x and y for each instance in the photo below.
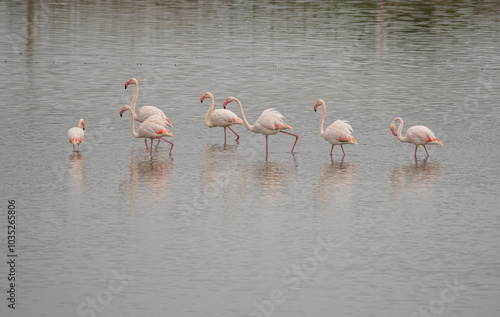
(320, 102)
(82, 123)
(228, 100)
(131, 81)
(393, 125)
(125, 108)
(207, 95)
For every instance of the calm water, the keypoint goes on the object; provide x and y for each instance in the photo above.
(216, 230)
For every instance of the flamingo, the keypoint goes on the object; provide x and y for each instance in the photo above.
(146, 111)
(338, 133)
(153, 127)
(220, 117)
(418, 135)
(270, 122)
(76, 134)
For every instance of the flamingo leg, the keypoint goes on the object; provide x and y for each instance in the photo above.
(266, 146)
(170, 143)
(331, 150)
(426, 151)
(224, 135)
(158, 142)
(342, 149)
(151, 150)
(145, 142)
(416, 147)
(296, 138)
(234, 133)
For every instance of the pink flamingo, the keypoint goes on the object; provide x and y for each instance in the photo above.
(338, 133)
(220, 117)
(128, 108)
(418, 135)
(76, 134)
(146, 111)
(270, 122)
(153, 127)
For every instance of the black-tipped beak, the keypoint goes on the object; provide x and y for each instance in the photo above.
(120, 115)
(314, 110)
(201, 100)
(125, 86)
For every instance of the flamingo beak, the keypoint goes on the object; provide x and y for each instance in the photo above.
(121, 113)
(202, 98)
(126, 84)
(225, 104)
(83, 124)
(394, 133)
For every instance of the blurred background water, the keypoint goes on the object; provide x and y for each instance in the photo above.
(216, 230)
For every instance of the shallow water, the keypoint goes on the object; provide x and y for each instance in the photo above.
(216, 229)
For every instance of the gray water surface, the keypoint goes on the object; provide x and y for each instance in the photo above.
(216, 230)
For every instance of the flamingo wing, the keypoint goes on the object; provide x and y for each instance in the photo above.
(76, 135)
(339, 132)
(271, 119)
(148, 111)
(224, 118)
(154, 127)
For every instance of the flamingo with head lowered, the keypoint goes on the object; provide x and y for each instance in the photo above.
(146, 111)
(338, 133)
(76, 134)
(152, 128)
(270, 122)
(417, 134)
(220, 117)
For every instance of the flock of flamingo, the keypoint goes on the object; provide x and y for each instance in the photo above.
(154, 125)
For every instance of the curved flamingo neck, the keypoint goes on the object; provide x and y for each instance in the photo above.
(322, 120)
(136, 95)
(132, 116)
(209, 112)
(249, 127)
(400, 130)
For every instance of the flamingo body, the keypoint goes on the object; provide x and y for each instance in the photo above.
(269, 123)
(337, 133)
(418, 135)
(148, 111)
(76, 134)
(223, 118)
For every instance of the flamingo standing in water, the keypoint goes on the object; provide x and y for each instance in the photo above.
(76, 134)
(146, 111)
(418, 135)
(152, 128)
(270, 122)
(220, 117)
(128, 108)
(338, 133)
